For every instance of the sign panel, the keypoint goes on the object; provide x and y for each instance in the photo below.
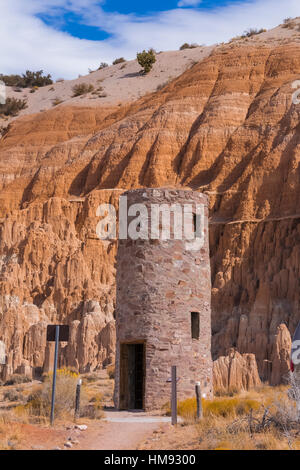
(63, 332)
(2, 353)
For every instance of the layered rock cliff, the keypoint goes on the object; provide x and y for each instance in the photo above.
(227, 126)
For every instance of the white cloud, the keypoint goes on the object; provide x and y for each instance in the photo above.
(188, 3)
(27, 43)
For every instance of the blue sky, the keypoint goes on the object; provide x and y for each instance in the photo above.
(72, 23)
(67, 37)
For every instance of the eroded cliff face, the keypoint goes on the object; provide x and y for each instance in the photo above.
(228, 127)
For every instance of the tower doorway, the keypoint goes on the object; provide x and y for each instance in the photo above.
(132, 376)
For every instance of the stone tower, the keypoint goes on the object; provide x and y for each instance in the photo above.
(163, 310)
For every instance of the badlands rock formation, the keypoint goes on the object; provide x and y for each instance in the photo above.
(235, 372)
(226, 126)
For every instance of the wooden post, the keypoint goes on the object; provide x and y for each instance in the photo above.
(77, 399)
(54, 374)
(174, 395)
(199, 401)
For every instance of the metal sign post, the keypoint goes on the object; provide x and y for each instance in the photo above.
(56, 333)
(77, 400)
(54, 374)
(199, 401)
(174, 395)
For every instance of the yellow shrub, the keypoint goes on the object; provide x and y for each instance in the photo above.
(187, 408)
(229, 406)
(64, 372)
(39, 402)
(223, 407)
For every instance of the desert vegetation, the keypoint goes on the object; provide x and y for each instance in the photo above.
(253, 32)
(25, 403)
(103, 65)
(146, 60)
(290, 23)
(262, 419)
(27, 80)
(186, 45)
(120, 60)
(56, 101)
(248, 34)
(82, 89)
(12, 107)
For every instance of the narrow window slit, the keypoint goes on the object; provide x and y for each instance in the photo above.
(195, 325)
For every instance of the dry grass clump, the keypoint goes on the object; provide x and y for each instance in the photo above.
(100, 384)
(94, 409)
(11, 433)
(262, 419)
(219, 407)
(56, 101)
(91, 401)
(39, 401)
(229, 407)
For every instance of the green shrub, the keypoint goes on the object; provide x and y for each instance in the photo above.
(82, 89)
(11, 80)
(146, 59)
(27, 79)
(119, 61)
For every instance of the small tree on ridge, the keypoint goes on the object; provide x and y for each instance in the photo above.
(146, 59)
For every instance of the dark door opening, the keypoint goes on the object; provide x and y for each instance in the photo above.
(132, 374)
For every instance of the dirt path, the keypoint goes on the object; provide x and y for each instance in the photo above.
(120, 431)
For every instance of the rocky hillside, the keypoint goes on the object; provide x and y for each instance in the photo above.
(226, 126)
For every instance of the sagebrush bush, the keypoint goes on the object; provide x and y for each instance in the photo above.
(186, 45)
(12, 395)
(253, 32)
(12, 107)
(146, 59)
(17, 379)
(119, 61)
(82, 89)
(39, 403)
(103, 65)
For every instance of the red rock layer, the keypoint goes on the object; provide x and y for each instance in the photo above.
(228, 127)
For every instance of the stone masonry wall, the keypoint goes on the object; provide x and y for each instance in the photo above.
(159, 284)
